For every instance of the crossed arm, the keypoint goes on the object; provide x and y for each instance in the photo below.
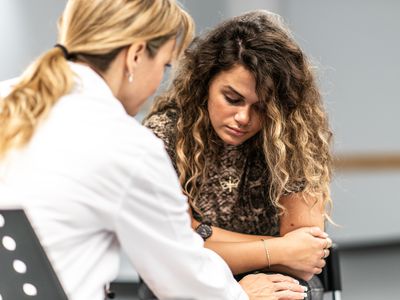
(299, 250)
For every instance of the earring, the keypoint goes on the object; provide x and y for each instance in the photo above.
(130, 78)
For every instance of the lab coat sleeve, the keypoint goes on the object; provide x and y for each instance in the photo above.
(153, 227)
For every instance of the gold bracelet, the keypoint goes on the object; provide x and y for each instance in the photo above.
(266, 253)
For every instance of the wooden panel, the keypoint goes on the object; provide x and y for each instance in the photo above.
(367, 162)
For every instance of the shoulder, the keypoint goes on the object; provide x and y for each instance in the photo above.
(162, 123)
(130, 136)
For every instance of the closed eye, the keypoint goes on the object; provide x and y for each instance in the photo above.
(233, 101)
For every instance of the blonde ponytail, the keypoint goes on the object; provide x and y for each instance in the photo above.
(93, 32)
(29, 101)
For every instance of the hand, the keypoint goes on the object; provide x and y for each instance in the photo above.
(305, 250)
(272, 287)
(306, 276)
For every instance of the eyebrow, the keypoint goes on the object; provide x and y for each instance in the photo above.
(234, 91)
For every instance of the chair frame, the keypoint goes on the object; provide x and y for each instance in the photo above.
(28, 251)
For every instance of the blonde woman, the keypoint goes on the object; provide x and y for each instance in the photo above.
(245, 127)
(90, 178)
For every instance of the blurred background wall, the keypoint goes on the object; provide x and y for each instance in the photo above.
(355, 45)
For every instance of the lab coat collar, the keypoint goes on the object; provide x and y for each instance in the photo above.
(87, 81)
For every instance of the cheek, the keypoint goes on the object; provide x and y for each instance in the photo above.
(257, 129)
(218, 109)
(156, 79)
(215, 115)
(255, 123)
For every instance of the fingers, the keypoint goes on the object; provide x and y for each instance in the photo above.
(317, 270)
(317, 232)
(290, 295)
(281, 278)
(282, 286)
(327, 243)
(321, 264)
(326, 253)
(288, 290)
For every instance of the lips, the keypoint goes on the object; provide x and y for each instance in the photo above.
(236, 131)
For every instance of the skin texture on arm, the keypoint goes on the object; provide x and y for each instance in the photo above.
(301, 211)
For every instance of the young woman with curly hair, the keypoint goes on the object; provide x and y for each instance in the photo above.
(244, 124)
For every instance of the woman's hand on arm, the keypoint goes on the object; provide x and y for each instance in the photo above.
(298, 253)
(301, 252)
(272, 286)
(302, 227)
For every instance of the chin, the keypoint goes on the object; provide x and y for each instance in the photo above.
(235, 143)
(132, 112)
(232, 142)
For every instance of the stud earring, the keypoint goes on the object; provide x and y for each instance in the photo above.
(130, 78)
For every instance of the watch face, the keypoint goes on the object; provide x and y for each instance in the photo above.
(204, 231)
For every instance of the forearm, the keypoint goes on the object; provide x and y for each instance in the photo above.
(298, 253)
(226, 236)
(250, 255)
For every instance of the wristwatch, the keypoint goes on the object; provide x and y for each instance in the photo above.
(204, 230)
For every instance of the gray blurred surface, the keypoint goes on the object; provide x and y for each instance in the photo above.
(27, 28)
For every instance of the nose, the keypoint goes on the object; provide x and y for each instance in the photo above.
(242, 116)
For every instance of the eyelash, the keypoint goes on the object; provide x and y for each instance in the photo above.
(232, 101)
(256, 107)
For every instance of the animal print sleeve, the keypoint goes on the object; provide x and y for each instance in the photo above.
(163, 125)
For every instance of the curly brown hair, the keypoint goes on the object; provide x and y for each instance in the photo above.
(295, 137)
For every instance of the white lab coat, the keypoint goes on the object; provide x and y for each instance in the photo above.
(92, 181)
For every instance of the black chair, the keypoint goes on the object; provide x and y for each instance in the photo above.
(25, 271)
(330, 276)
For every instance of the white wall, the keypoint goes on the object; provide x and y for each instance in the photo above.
(357, 44)
(27, 28)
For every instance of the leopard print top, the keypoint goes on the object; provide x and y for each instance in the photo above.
(235, 194)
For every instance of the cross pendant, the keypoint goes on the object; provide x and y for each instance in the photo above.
(229, 185)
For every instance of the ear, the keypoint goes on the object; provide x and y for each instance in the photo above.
(135, 55)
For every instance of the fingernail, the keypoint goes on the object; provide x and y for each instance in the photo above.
(305, 295)
(304, 288)
(296, 281)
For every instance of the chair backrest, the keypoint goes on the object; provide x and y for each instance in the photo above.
(331, 276)
(25, 271)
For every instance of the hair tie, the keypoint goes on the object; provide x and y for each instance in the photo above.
(64, 50)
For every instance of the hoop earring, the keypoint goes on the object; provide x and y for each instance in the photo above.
(130, 78)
